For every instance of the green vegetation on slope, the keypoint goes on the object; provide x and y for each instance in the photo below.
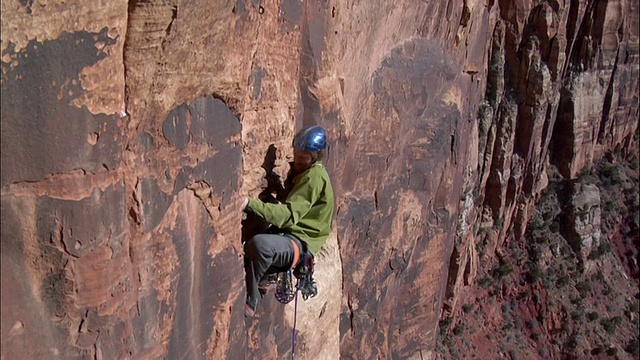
(540, 298)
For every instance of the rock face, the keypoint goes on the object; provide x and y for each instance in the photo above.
(132, 130)
(584, 218)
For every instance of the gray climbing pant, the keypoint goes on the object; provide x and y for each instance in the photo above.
(266, 254)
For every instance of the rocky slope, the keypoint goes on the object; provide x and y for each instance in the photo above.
(132, 130)
(569, 287)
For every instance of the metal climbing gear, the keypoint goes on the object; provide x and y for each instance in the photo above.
(285, 292)
(304, 273)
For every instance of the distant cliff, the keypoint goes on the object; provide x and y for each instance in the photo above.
(131, 131)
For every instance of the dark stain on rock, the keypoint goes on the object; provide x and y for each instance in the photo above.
(312, 32)
(290, 14)
(406, 297)
(146, 140)
(222, 172)
(255, 81)
(237, 331)
(12, 241)
(412, 82)
(182, 179)
(145, 318)
(345, 321)
(311, 106)
(155, 203)
(28, 4)
(116, 244)
(55, 286)
(84, 225)
(409, 77)
(195, 296)
(222, 271)
(54, 290)
(175, 128)
(113, 342)
(212, 122)
(315, 28)
(239, 7)
(19, 302)
(39, 126)
(416, 82)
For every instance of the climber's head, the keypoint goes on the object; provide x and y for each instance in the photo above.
(312, 139)
(308, 145)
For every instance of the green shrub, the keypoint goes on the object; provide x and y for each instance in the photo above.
(583, 288)
(602, 249)
(484, 282)
(633, 347)
(444, 325)
(562, 281)
(467, 308)
(503, 269)
(577, 315)
(534, 274)
(608, 325)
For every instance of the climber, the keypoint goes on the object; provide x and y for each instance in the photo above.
(300, 224)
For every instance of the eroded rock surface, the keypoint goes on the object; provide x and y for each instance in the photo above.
(584, 218)
(132, 130)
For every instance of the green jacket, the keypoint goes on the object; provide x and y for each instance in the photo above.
(307, 211)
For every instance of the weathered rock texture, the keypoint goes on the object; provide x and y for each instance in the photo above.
(132, 130)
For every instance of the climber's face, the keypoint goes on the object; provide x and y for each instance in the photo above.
(302, 160)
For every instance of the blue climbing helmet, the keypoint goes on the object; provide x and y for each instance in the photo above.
(312, 139)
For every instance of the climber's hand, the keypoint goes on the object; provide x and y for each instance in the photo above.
(244, 203)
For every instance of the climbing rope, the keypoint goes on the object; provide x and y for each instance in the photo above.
(295, 316)
(285, 292)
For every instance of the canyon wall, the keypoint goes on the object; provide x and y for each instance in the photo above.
(131, 131)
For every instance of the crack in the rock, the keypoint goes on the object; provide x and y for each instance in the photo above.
(608, 103)
(351, 313)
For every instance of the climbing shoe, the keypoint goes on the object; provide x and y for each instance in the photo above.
(269, 279)
(250, 308)
(248, 311)
(267, 283)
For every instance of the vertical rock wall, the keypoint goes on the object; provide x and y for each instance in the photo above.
(132, 130)
(561, 91)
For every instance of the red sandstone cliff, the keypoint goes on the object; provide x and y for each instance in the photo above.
(131, 132)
